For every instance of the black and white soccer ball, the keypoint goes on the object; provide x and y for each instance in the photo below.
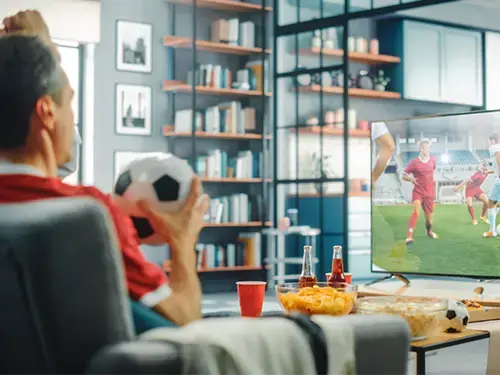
(457, 317)
(162, 179)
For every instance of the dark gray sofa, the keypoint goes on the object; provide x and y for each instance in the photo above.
(64, 307)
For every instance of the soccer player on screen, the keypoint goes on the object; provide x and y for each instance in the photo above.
(420, 172)
(473, 190)
(383, 139)
(494, 194)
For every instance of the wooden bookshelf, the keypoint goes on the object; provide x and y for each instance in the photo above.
(179, 86)
(332, 195)
(354, 92)
(167, 268)
(238, 225)
(355, 133)
(209, 46)
(233, 180)
(168, 131)
(362, 58)
(227, 5)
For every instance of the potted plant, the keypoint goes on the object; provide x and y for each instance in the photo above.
(381, 81)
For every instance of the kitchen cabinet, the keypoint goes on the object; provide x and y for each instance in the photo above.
(438, 63)
(492, 81)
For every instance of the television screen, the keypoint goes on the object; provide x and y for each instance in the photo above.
(435, 208)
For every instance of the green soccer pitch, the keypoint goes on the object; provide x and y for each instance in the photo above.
(460, 249)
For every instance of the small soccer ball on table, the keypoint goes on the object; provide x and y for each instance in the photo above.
(457, 317)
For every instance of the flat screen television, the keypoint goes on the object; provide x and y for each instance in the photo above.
(432, 206)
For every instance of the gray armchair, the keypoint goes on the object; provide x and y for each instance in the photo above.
(64, 307)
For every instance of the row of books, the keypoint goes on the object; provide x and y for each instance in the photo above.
(218, 164)
(247, 252)
(233, 32)
(217, 76)
(236, 208)
(228, 117)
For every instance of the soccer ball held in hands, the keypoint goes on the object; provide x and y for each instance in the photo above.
(162, 179)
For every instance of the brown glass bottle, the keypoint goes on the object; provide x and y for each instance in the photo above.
(307, 277)
(337, 275)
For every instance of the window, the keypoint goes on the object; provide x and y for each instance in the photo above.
(70, 62)
(402, 141)
(434, 140)
(411, 140)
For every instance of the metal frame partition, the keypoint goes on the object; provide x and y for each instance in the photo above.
(294, 29)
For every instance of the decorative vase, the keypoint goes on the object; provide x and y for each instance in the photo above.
(379, 87)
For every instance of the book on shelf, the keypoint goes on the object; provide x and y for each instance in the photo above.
(236, 208)
(255, 67)
(247, 252)
(228, 117)
(233, 32)
(219, 77)
(210, 75)
(217, 164)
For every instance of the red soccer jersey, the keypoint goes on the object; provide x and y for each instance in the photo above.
(423, 172)
(146, 282)
(477, 179)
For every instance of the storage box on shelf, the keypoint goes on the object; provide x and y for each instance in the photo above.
(225, 142)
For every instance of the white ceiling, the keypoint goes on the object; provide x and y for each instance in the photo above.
(492, 4)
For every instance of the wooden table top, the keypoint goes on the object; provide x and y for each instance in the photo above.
(441, 340)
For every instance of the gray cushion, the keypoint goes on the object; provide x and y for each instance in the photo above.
(62, 289)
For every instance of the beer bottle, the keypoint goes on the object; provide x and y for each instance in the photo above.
(337, 275)
(307, 277)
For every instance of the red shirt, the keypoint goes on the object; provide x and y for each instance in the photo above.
(477, 180)
(146, 282)
(423, 172)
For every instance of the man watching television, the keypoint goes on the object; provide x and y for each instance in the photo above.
(36, 135)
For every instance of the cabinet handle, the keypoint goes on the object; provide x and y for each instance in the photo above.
(431, 354)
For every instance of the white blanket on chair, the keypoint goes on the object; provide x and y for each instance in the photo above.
(240, 346)
(340, 340)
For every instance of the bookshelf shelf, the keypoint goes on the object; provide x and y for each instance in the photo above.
(234, 180)
(238, 225)
(212, 134)
(354, 92)
(355, 133)
(363, 58)
(227, 5)
(334, 195)
(178, 86)
(166, 268)
(169, 132)
(209, 46)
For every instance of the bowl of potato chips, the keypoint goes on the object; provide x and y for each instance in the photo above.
(320, 299)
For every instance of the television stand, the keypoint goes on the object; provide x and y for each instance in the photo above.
(397, 276)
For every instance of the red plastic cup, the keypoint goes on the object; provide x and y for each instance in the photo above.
(251, 297)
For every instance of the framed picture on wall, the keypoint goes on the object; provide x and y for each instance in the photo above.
(134, 43)
(133, 109)
(122, 159)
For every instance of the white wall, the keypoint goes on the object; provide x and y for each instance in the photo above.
(76, 20)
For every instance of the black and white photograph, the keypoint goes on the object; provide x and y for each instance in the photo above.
(133, 109)
(134, 43)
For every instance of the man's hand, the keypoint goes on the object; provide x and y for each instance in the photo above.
(180, 229)
(28, 21)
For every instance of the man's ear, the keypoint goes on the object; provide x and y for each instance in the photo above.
(45, 111)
